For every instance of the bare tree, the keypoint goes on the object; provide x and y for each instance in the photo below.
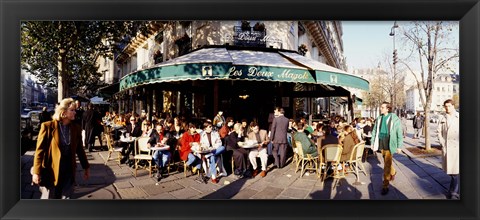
(394, 82)
(431, 52)
(377, 94)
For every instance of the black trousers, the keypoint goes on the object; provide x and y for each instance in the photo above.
(240, 158)
(279, 153)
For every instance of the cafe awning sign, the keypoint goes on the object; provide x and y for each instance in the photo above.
(236, 64)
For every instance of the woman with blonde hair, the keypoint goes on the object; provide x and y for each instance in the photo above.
(240, 155)
(54, 162)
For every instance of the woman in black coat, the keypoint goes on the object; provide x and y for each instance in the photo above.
(240, 155)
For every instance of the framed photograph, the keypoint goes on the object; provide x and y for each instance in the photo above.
(214, 205)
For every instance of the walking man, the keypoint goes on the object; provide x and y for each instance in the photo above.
(387, 136)
(448, 135)
(418, 122)
(278, 136)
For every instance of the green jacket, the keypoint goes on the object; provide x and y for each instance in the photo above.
(307, 144)
(395, 131)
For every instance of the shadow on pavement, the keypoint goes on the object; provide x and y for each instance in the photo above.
(343, 191)
(100, 176)
(228, 191)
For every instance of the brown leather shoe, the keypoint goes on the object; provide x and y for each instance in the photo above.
(255, 173)
(214, 180)
(392, 178)
(263, 173)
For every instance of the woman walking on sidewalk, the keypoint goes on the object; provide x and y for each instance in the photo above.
(54, 162)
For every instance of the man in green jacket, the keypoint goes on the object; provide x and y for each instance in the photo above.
(308, 145)
(387, 136)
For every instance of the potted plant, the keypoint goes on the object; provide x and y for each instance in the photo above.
(302, 49)
(259, 27)
(246, 26)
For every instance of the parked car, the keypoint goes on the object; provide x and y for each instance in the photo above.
(31, 120)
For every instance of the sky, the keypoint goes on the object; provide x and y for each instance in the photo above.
(365, 43)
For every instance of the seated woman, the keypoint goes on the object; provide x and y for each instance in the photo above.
(308, 145)
(211, 139)
(189, 137)
(162, 155)
(350, 140)
(239, 154)
(147, 129)
(328, 137)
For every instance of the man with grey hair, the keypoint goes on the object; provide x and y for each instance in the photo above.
(449, 135)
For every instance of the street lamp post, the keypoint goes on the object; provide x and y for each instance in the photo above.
(395, 60)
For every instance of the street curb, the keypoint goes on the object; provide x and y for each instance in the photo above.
(408, 153)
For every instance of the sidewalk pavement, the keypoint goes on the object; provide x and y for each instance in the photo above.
(417, 178)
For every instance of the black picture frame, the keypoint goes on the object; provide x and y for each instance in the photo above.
(12, 12)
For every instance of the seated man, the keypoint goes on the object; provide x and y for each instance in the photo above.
(212, 140)
(262, 140)
(162, 155)
(308, 145)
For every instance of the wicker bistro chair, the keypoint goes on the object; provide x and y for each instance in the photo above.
(355, 160)
(112, 148)
(142, 152)
(306, 161)
(332, 154)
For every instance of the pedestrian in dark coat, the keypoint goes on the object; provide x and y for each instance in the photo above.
(90, 120)
(278, 136)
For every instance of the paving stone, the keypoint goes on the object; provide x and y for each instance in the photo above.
(95, 193)
(206, 188)
(269, 192)
(295, 193)
(304, 184)
(283, 181)
(143, 182)
(320, 194)
(441, 177)
(164, 195)
(284, 197)
(132, 193)
(122, 171)
(185, 193)
(260, 185)
(417, 171)
(245, 194)
(186, 182)
(123, 185)
(425, 188)
(432, 170)
(412, 194)
(162, 187)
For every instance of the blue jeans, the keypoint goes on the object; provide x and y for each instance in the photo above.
(193, 161)
(214, 155)
(161, 157)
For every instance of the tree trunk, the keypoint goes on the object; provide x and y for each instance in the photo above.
(428, 145)
(62, 75)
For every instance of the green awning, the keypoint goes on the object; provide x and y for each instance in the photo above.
(223, 64)
(326, 74)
